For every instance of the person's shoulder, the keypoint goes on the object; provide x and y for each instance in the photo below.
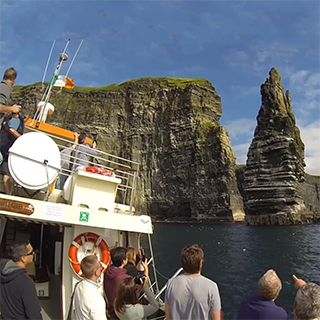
(85, 287)
(25, 280)
(4, 84)
(5, 87)
(207, 281)
(181, 278)
(130, 266)
(248, 299)
(281, 311)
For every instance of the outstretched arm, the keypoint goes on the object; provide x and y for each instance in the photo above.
(75, 142)
(298, 283)
(13, 109)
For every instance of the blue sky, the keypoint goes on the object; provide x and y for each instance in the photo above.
(233, 44)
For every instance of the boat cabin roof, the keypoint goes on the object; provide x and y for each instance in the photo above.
(37, 211)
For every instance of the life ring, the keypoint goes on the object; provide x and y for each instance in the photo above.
(104, 172)
(79, 241)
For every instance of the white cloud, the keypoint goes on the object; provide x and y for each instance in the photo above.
(237, 58)
(245, 91)
(188, 72)
(310, 135)
(255, 60)
(304, 86)
(209, 20)
(241, 151)
(240, 127)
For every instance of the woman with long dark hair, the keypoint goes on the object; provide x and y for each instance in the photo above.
(126, 304)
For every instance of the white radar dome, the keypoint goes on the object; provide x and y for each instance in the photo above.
(34, 160)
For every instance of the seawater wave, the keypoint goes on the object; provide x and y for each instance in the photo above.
(236, 256)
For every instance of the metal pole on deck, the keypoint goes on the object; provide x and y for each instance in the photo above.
(46, 68)
(132, 192)
(153, 263)
(62, 57)
(74, 57)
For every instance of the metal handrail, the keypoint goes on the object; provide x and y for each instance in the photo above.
(124, 169)
(165, 286)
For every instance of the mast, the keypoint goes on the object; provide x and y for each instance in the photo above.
(46, 68)
(62, 57)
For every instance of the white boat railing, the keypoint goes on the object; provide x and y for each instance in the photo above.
(124, 169)
(165, 286)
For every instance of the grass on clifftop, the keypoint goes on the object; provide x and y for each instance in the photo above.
(312, 179)
(171, 81)
(163, 82)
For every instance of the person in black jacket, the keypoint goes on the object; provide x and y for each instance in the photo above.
(131, 268)
(12, 128)
(17, 290)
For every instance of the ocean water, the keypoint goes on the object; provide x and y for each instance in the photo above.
(237, 255)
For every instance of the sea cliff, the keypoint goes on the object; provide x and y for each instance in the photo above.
(188, 170)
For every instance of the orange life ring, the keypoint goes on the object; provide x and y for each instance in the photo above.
(79, 241)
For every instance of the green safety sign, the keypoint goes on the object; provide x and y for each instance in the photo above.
(84, 216)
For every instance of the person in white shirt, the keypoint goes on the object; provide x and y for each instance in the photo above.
(43, 110)
(88, 302)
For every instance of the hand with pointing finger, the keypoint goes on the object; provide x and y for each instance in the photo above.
(298, 283)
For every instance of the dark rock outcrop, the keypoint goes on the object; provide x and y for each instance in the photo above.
(171, 128)
(187, 167)
(275, 165)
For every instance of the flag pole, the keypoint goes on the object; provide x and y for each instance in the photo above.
(49, 57)
(62, 57)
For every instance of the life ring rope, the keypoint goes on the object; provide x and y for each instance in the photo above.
(81, 240)
(76, 244)
(98, 241)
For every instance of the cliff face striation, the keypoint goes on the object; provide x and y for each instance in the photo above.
(171, 128)
(274, 175)
(188, 169)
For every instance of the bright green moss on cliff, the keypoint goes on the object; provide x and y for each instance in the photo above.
(111, 87)
(162, 82)
(19, 88)
(171, 82)
(204, 129)
(298, 145)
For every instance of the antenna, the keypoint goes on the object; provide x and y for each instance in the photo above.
(62, 57)
(46, 68)
(74, 57)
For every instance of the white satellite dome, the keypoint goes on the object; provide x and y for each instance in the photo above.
(34, 160)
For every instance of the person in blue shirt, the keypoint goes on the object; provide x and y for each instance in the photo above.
(262, 305)
(12, 128)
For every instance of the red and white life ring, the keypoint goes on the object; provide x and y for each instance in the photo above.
(102, 171)
(81, 240)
